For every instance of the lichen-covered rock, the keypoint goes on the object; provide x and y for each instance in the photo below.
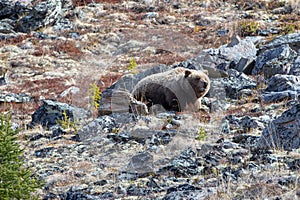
(247, 123)
(293, 40)
(6, 26)
(281, 87)
(10, 9)
(295, 69)
(51, 111)
(75, 193)
(238, 54)
(282, 82)
(283, 132)
(186, 191)
(141, 163)
(97, 127)
(184, 165)
(275, 61)
(43, 14)
(16, 98)
(271, 97)
(238, 49)
(236, 82)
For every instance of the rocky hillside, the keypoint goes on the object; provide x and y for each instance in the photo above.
(54, 54)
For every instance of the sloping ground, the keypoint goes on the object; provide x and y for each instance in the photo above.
(165, 156)
(100, 39)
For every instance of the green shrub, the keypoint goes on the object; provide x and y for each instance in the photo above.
(16, 180)
(248, 28)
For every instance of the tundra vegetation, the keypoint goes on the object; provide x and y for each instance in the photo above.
(60, 61)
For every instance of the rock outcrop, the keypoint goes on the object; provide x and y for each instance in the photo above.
(283, 132)
(275, 61)
(282, 87)
(16, 16)
(56, 49)
(51, 111)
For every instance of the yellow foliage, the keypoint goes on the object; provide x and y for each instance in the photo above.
(132, 65)
(95, 95)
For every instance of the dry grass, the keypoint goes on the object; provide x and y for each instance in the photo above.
(15, 40)
(85, 2)
(108, 79)
(57, 48)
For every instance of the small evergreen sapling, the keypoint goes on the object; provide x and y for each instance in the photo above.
(16, 181)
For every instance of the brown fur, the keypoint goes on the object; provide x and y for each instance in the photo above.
(178, 89)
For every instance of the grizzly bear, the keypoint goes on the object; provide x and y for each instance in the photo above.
(178, 89)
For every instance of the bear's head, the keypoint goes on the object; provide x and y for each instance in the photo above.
(199, 81)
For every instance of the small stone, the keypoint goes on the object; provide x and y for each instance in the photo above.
(141, 163)
(42, 153)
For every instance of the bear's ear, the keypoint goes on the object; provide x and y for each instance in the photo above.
(187, 73)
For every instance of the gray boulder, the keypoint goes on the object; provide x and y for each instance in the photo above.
(238, 49)
(6, 26)
(295, 69)
(272, 97)
(236, 82)
(12, 10)
(282, 82)
(187, 191)
(97, 127)
(43, 14)
(16, 98)
(275, 61)
(283, 132)
(293, 40)
(51, 111)
(114, 101)
(141, 163)
(239, 55)
(203, 61)
(281, 87)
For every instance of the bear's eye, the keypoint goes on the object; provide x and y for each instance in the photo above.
(198, 79)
